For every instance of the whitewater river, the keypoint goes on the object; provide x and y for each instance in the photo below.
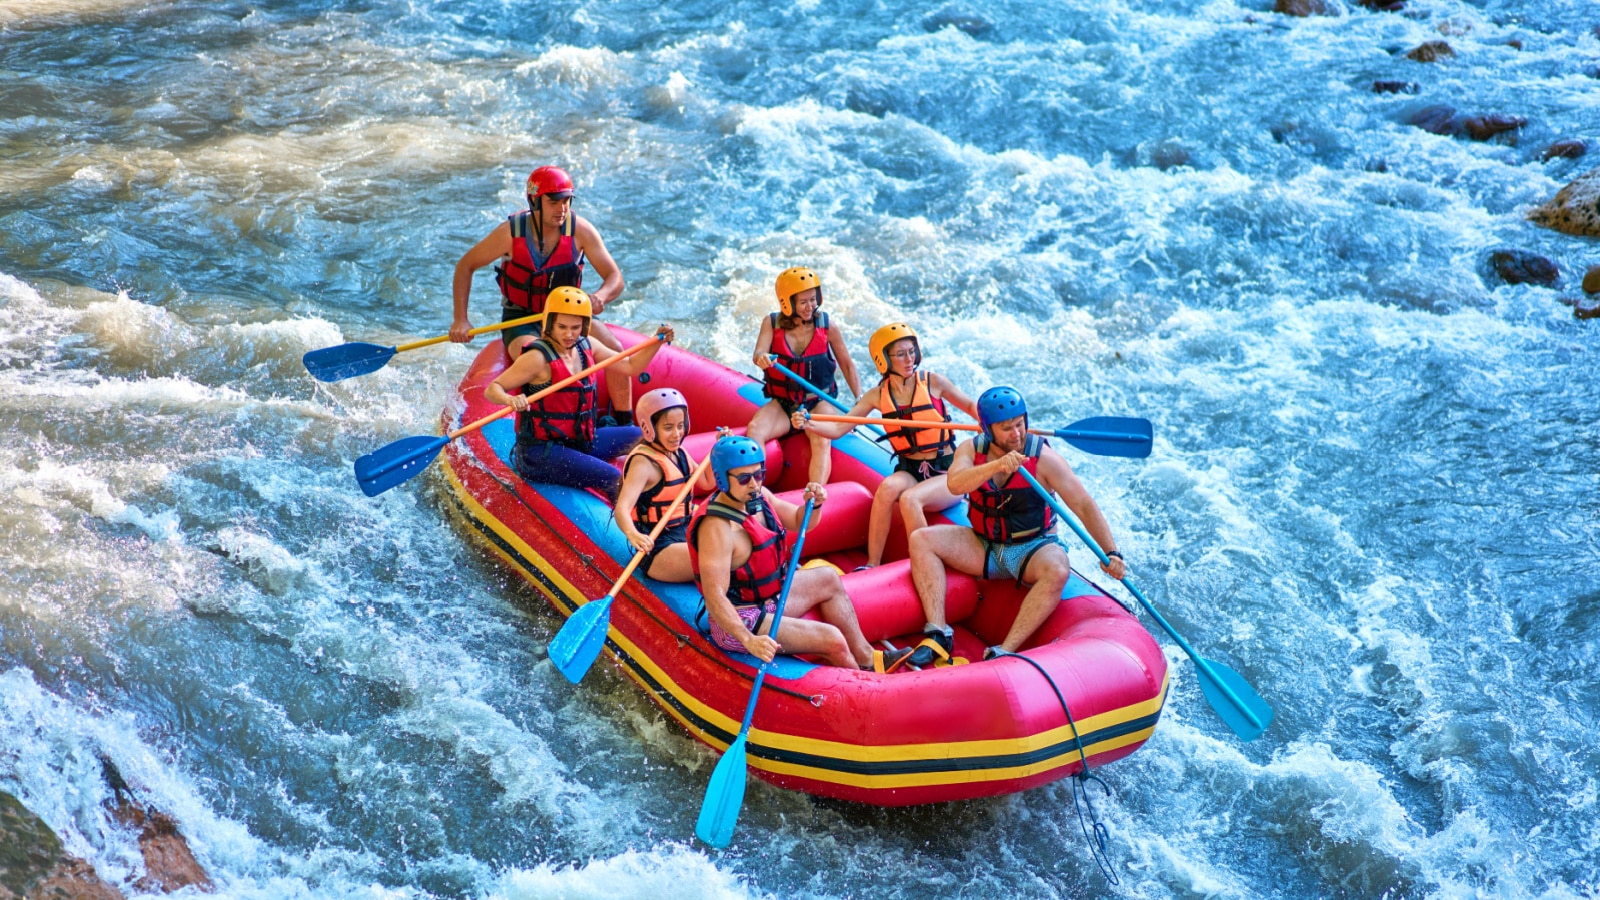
(1373, 492)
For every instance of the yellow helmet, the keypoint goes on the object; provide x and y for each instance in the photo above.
(793, 281)
(878, 346)
(569, 301)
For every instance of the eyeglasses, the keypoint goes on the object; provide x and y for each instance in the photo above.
(903, 354)
(758, 475)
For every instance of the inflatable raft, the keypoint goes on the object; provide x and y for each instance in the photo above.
(975, 730)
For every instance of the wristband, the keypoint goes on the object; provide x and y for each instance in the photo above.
(1117, 554)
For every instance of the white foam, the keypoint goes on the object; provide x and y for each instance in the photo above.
(670, 871)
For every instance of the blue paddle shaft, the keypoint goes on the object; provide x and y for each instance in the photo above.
(777, 616)
(1202, 664)
(821, 393)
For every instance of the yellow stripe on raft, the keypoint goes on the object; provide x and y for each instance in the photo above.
(818, 747)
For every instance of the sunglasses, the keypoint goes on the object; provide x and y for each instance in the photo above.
(745, 479)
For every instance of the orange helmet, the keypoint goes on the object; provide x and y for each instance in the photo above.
(793, 281)
(883, 338)
(569, 301)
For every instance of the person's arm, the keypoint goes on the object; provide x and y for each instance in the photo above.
(790, 514)
(587, 238)
(530, 368)
(1056, 475)
(715, 550)
(636, 363)
(944, 389)
(708, 480)
(846, 364)
(833, 430)
(636, 479)
(763, 357)
(485, 252)
(965, 476)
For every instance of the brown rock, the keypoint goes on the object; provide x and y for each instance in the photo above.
(1435, 119)
(74, 880)
(1567, 148)
(1482, 128)
(1394, 87)
(33, 864)
(1303, 8)
(1384, 5)
(1591, 280)
(169, 864)
(1587, 312)
(1431, 51)
(1575, 209)
(1521, 267)
(1514, 44)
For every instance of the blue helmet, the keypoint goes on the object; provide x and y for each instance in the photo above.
(734, 452)
(999, 404)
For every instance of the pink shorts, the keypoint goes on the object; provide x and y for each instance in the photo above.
(751, 616)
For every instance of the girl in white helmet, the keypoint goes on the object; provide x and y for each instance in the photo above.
(652, 476)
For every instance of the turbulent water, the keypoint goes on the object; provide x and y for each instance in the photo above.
(1373, 493)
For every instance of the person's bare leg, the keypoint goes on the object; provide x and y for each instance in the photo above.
(672, 565)
(768, 423)
(821, 457)
(1048, 570)
(889, 492)
(821, 589)
(915, 503)
(934, 548)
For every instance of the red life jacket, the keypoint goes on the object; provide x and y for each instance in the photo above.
(760, 578)
(652, 504)
(815, 364)
(567, 415)
(1012, 512)
(523, 282)
(924, 407)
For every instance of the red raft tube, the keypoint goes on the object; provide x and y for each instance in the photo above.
(950, 733)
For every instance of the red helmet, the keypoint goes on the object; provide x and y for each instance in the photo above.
(549, 180)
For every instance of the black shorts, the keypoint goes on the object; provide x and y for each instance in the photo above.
(672, 534)
(923, 469)
(510, 335)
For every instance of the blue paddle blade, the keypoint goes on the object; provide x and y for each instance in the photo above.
(1110, 436)
(719, 813)
(346, 361)
(1236, 714)
(397, 462)
(576, 646)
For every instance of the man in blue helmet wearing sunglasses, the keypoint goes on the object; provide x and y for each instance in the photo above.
(739, 553)
(1012, 534)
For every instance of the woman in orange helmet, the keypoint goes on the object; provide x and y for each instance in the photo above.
(923, 454)
(802, 339)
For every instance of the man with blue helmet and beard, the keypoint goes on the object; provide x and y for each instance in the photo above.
(1012, 527)
(739, 554)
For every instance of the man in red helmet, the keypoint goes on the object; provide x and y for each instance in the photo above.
(534, 252)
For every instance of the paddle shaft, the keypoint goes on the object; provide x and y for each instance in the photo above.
(837, 403)
(688, 490)
(1200, 662)
(1065, 433)
(777, 615)
(510, 323)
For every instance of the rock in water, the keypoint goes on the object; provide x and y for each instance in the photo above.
(1394, 87)
(1482, 128)
(1521, 267)
(1303, 8)
(1384, 5)
(1431, 51)
(1436, 119)
(1567, 148)
(33, 864)
(1575, 209)
(1591, 280)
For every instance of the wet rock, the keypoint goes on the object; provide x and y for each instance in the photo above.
(1591, 280)
(1575, 209)
(1304, 8)
(1384, 5)
(1521, 267)
(1514, 43)
(1435, 119)
(1568, 148)
(1431, 51)
(1587, 312)
(1482, 128)
(1394, 87)
(169, 864)
(959, 19)
(34, 865)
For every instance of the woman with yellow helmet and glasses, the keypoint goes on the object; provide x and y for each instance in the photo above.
(923, 455)
(557, 441)
(802, 339)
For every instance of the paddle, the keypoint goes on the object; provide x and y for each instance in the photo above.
(357, 358)
(823, 394)
(576, 646)
(1244, 710)
(396, 462)
(1100, 435)
(719, 812)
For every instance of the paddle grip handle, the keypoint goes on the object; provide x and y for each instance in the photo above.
(1200, 663)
